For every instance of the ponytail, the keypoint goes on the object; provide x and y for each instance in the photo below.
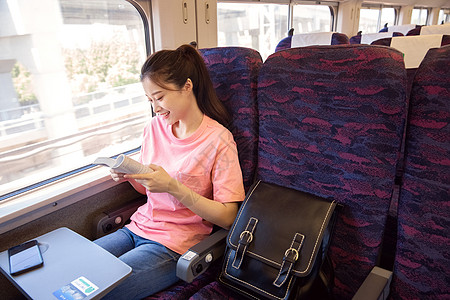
(175, 67)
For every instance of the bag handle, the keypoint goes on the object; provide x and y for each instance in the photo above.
(245, 239)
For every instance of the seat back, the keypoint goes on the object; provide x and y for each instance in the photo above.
(368, 38)
(309, 39)
(431, 29)
(234, 73)
(404, 29)
(331, 120)
(421, 269)
(414, 48)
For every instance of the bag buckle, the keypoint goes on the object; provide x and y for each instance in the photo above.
(249, 238)
(286, 254)
(246, 238)
(290, 257)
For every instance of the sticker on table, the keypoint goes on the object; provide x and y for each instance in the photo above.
(78, 289)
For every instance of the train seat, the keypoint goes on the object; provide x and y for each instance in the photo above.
(435, 29)
(234, 73)
(309, 39)
(430, 29)
(368, 38)
(421, 269)
(414, 49)
(404, 29)
(330, 124)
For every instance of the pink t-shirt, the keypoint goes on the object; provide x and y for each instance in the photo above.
(206, 162)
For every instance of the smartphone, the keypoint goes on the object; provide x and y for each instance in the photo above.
(24, 257)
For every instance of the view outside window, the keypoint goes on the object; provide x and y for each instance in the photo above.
(368, 20)
(419, 16)
(373, 19)
(70, 87)
(258, 26)
(444, 16)
(311, 18)
(388, 17)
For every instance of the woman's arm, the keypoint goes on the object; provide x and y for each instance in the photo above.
(221, 214)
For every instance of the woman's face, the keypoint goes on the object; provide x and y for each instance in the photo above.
(170, 103)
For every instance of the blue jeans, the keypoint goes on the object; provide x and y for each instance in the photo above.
(154, 266)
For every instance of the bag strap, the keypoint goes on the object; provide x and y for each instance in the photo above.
(290, 257)
(245, 239)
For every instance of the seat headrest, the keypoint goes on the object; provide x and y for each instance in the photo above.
(368, 38)
(402, 28)
(435, 29)
(310, 39)
(415, 47)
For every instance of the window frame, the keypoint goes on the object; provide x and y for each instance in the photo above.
(38, 199)
(422, 8)
(262, 2)
(148, 27)
(380, 8)
(446, 12)
(332, 6)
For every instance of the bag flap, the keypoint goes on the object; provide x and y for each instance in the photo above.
(278, 214)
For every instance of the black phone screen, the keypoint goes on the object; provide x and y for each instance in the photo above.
(24, 257)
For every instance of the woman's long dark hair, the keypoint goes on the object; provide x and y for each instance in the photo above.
(175, 67)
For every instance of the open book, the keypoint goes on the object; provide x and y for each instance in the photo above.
(123, 164)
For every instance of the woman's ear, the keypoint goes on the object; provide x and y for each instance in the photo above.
(188, 86)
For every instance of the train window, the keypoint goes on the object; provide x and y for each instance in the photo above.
(368, 20)
(444, 16)
(388, 17)
(373, 17)
(312, 18)
(70, 87)
(419, 16)
(254, 25)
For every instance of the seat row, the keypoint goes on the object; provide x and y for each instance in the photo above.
(336, 38)
(400, 30)
(330, 120)
(414, 46)
(413, 29)
(414, 49)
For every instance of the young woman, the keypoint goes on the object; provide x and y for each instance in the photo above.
(196, 179)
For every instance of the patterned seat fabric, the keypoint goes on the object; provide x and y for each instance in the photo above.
(330, 123)
(410, 71)
(421, 269)
(336, 39)
(234, 73)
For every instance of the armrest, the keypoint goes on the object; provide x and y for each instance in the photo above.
(376, 285)
(198, 258)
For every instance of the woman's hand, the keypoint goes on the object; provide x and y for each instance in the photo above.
(120, 177)
(157, 181)
(116, 176)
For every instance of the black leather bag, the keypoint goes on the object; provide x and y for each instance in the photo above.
(277, 246)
